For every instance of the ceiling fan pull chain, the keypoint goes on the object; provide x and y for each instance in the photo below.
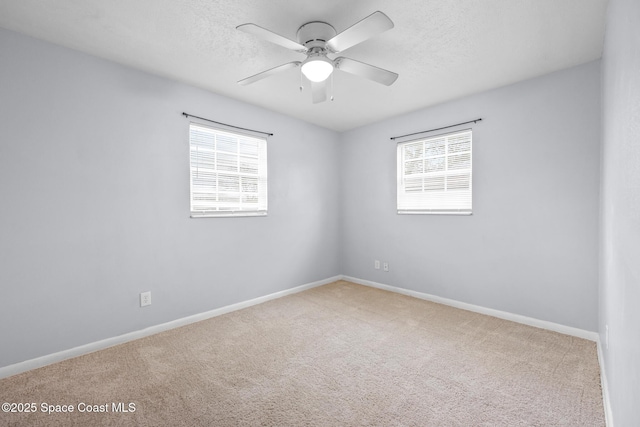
(332, 86)
(301, 87)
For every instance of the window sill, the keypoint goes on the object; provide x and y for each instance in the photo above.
(227, 214)
(433, 213)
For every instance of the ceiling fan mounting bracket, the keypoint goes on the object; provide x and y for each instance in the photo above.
(315, 34)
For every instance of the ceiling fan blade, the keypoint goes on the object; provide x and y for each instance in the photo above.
(370, 26)
(365, 70)
(270, 72)
(318, 92)
(271, 36)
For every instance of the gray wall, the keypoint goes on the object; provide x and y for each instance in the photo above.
(531, 245)
(620, 210)
(94, 203)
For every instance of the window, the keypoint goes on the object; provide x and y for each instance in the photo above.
(434, 175)
(228, 173)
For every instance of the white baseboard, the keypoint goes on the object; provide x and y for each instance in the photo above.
(543, 324)
(39, 362)
(608, 415)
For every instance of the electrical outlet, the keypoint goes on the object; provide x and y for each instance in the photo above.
(145, 298)
(385, 266)
(377, 264)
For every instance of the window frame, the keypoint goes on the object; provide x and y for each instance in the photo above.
(403, 198)
(261, 176)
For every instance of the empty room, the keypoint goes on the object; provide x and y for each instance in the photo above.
(286, 213)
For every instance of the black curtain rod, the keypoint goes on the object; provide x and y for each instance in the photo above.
(431, 130)
(224, 124)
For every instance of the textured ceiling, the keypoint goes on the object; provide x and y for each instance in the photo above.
(442, 49)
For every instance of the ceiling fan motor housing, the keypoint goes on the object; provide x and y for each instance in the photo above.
(315, 34)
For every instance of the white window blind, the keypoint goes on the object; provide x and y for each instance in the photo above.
(228, 173)
(434, 174)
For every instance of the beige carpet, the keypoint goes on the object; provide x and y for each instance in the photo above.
(337, 355)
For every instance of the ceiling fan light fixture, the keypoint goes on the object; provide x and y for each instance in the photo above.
(317, 68)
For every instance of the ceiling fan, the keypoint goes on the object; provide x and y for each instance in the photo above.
(319, 39)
